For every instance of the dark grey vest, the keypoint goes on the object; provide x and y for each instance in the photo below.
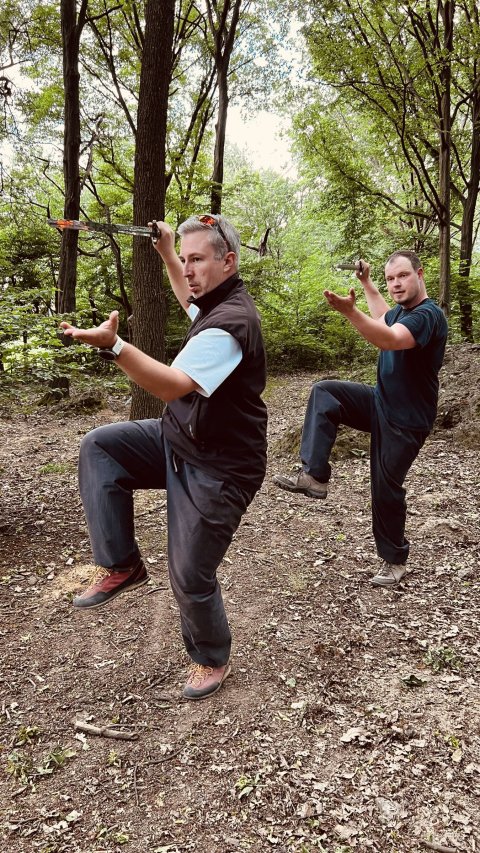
(225, 434)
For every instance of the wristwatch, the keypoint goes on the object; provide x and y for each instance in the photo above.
(113, 352)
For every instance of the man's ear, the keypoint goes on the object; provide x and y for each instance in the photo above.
(229, 260)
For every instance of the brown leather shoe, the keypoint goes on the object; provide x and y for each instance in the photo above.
(108, 583)
(303, 483)
(202, 680)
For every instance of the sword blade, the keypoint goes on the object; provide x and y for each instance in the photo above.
(103, 227)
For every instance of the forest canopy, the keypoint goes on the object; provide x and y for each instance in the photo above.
(120, 114)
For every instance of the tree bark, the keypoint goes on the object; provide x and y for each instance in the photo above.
(224, 33)
(446, 11)
(468, 223)
(149, 297)
(71, 32)
(219, 152)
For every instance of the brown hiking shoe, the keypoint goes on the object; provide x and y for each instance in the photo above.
(202, 680)
(108, 583)
(389, 574)
(303, 483)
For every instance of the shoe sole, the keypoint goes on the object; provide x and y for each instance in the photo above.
(211, 693)
(388, 584)
(110, 597)
(296, 490)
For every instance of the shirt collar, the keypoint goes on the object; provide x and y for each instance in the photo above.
(213, 297)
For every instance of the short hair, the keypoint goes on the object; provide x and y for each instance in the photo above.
(406, 253)
(221, 245)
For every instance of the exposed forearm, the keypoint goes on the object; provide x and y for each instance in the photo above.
(375, 301)
(158, 379)
(165, 246)
(177, 280)
(376, 332)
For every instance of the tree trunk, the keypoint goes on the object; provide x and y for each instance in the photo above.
(446, 11)
(149, 297)
(223, 33)
(468, 222)
(219, 152)
(71, 31)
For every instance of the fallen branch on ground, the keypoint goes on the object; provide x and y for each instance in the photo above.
(439, 848)
(104, 731)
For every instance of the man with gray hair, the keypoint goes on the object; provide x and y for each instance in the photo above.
(208, 450)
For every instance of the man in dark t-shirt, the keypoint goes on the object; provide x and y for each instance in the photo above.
(399, 411)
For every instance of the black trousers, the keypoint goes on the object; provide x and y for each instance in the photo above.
(392, 452)
(203, 513)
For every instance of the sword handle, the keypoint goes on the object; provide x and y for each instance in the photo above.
(354, 267)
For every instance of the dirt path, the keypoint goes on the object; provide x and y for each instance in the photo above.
(351, 720)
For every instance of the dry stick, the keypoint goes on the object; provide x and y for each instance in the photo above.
(152, 764)
(20, 791)
(33, 819)
(439, 848)
(156, 589)
(163, 698)
(167, 758)
(156, 682)
(137, 799)
(104, 731)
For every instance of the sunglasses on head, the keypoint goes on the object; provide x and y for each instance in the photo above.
(212, 222)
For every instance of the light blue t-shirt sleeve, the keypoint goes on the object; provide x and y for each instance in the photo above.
(209, 357)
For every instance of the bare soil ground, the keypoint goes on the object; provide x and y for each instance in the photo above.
(351, 719)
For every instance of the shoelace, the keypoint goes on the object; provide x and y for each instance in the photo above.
(98, 574)
(198, 673)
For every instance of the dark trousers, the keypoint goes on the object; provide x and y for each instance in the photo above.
(392, 452)
(203, 513)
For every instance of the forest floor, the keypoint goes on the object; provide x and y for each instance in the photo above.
(351, 721)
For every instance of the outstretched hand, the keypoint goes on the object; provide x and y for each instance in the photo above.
(343, 304)
(103, 336)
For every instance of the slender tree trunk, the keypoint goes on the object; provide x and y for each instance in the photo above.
(446, 11)
(219, 152)
(149, 297)
(123, 298)
(71, 32)
(223, 32)
(468, 223)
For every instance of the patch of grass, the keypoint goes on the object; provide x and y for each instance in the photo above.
(443, 657)
(297, 581)
(452, 741)
(246, 784)
(273, 383)
(117, 836)
(57, 468)
(26, 734)
(114, 759)
(22, 767)
(19, 766)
